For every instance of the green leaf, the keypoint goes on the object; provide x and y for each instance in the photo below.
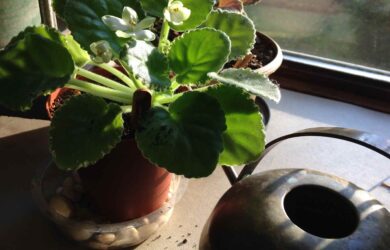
(153, 7)
(84, 20)
(187, 139)
(244, 138)
(79, 56)
(252, 82)
(198, 52)
(239, 28)
(147, 63)
(30, 67)
(199, 11)
(84, 130)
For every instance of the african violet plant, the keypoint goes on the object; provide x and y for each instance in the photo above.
(188, 133)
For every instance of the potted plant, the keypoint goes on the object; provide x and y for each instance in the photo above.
(173, 105)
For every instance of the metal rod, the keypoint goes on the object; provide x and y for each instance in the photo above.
(48, 16)
(230, 174)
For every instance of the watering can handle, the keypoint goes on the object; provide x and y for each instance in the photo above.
(365, 139)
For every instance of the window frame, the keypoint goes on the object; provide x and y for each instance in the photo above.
(351, 83)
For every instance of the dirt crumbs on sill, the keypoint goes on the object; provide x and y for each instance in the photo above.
(182, 243)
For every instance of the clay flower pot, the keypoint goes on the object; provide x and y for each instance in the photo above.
(296, 209)
(57, 98)
(124, 185)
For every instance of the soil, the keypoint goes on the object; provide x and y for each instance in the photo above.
(262, 54)
(61, 99)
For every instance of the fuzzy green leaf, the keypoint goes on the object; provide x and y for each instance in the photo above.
(147, 63)
(187, 139)
(79, 56)
(199, 11)
(153, 7)
(84, 20)
(30, 67)
(238, 27)
(83, 130)
(244, 138)
(198, 52)
(252, 82)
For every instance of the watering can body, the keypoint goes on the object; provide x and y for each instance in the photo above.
(299, 208)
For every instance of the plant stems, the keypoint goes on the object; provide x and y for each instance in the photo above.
(126, 108)
(100, 91)
(163, 36)
(168, 99)
(117, 73)
(104, 81)
(138, 83)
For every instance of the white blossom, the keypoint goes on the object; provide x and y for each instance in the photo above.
(129, 27)
(176, 13)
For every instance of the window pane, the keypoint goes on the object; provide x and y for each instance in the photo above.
(354, 31)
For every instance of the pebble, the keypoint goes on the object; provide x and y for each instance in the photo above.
(130, 233)
(127, 236)
(169, 196)
(68, 182)
(79, 233)
(145, 221)
(147, 230)
(76, 177)
(60, 205)
(72, 195)
(162, 219)
(59, 190)
(96, 245)
(105, 238)
(70, 191)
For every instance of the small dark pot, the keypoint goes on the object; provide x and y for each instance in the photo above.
(124, 185)
(274, 56)
(296, 209)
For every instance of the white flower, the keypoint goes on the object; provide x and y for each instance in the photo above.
(129, 27)
(176, 13)
(102, 51)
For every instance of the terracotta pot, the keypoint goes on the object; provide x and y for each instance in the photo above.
(296, 209)
(124, 185)
(57, 98)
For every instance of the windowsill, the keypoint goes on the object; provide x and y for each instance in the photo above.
(338, 82)
(296, 111)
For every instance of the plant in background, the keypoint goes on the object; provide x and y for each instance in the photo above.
(188, 133)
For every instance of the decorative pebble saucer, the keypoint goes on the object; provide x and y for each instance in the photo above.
(60, 197)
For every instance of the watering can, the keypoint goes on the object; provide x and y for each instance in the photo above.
(299, 208)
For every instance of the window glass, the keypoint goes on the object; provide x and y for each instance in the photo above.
(353, 31)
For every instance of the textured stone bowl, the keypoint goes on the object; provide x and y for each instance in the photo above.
(59, 196)
(296, 209)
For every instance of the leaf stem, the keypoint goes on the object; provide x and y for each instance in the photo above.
(163, 36)
(104, 81)
(116, 73)
(138, 83)
(168, 99)
(126, 108)
(100, 91)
